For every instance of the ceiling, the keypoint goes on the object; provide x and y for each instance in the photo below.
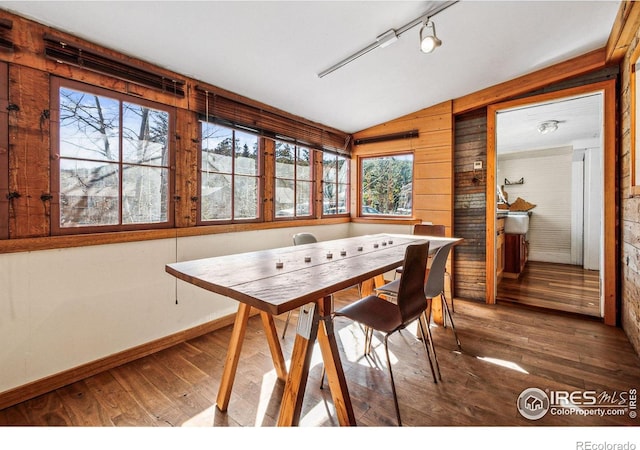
(580, 125)
(272, 51)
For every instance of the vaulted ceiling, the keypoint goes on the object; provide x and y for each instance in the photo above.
(273, 51)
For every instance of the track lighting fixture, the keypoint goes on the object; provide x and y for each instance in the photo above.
(428, 43)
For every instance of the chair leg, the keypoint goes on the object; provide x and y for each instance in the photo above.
(286, 324)
(393, 384)
(368, 338)
(448, 314)
(428, 336)
(448, 274)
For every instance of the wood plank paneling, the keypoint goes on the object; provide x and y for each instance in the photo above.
(434, 171)
(630, 209)
(186, 168)
(28, 152)
(470, 204)
(433, 185)
(433, 159)
(4, 151)
(624, 30)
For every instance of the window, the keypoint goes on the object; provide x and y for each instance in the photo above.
(294, 180)
(386, 185)
(229, 174)
(111, 164)
(335, 184)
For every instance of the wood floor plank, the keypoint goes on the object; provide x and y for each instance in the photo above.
(561, 287)
(506, 348)
(84, 408)
(120, 406)
(155, 402)
(44, 410)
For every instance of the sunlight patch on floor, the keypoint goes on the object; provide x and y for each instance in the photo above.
(503, 363)
(318, 415)
(202, 419)
(352, 338)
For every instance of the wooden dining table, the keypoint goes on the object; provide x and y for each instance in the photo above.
(279, 280)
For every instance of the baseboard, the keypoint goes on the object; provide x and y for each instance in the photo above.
(56, 381)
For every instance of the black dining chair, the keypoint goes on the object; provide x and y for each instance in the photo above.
(433, 287)
(388, 317)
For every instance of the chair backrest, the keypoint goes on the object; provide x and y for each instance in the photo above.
(435, 279)
(429, 230)
(304, 238)
(411, 299)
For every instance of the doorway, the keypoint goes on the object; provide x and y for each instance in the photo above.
(562, 182)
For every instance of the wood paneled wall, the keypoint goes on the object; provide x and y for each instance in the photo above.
(26, 216)
(470, 204)
(630, 214)
(433, 159)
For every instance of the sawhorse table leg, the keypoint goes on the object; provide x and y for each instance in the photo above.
(315, 321)
(235, 347)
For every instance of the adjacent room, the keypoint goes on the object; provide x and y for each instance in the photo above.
(318, 214)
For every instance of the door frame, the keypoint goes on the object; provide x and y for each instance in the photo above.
(610, 261)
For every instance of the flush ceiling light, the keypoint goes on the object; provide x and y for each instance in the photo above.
(548, 126)
(427, 44)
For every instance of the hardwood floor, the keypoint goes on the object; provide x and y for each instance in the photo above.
(560, 287)
(506, 349)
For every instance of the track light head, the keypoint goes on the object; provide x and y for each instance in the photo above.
(429, 42)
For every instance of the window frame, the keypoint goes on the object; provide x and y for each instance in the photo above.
(312, 182)
(337, 183)
(259, 176)
(57, 84)
(634, 114)
(361, 160)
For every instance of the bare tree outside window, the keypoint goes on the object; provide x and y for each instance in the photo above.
(387, 185)
(114, 161)
(229, 174)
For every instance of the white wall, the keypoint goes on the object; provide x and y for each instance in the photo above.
(548, 185)
(593, 209)
(60, 309)
(63, 308)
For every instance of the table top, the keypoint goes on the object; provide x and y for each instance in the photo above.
(281, 279)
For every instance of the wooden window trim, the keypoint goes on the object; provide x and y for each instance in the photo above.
(117, 237)
(56, 230)
(5, 203)
(260, 178)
